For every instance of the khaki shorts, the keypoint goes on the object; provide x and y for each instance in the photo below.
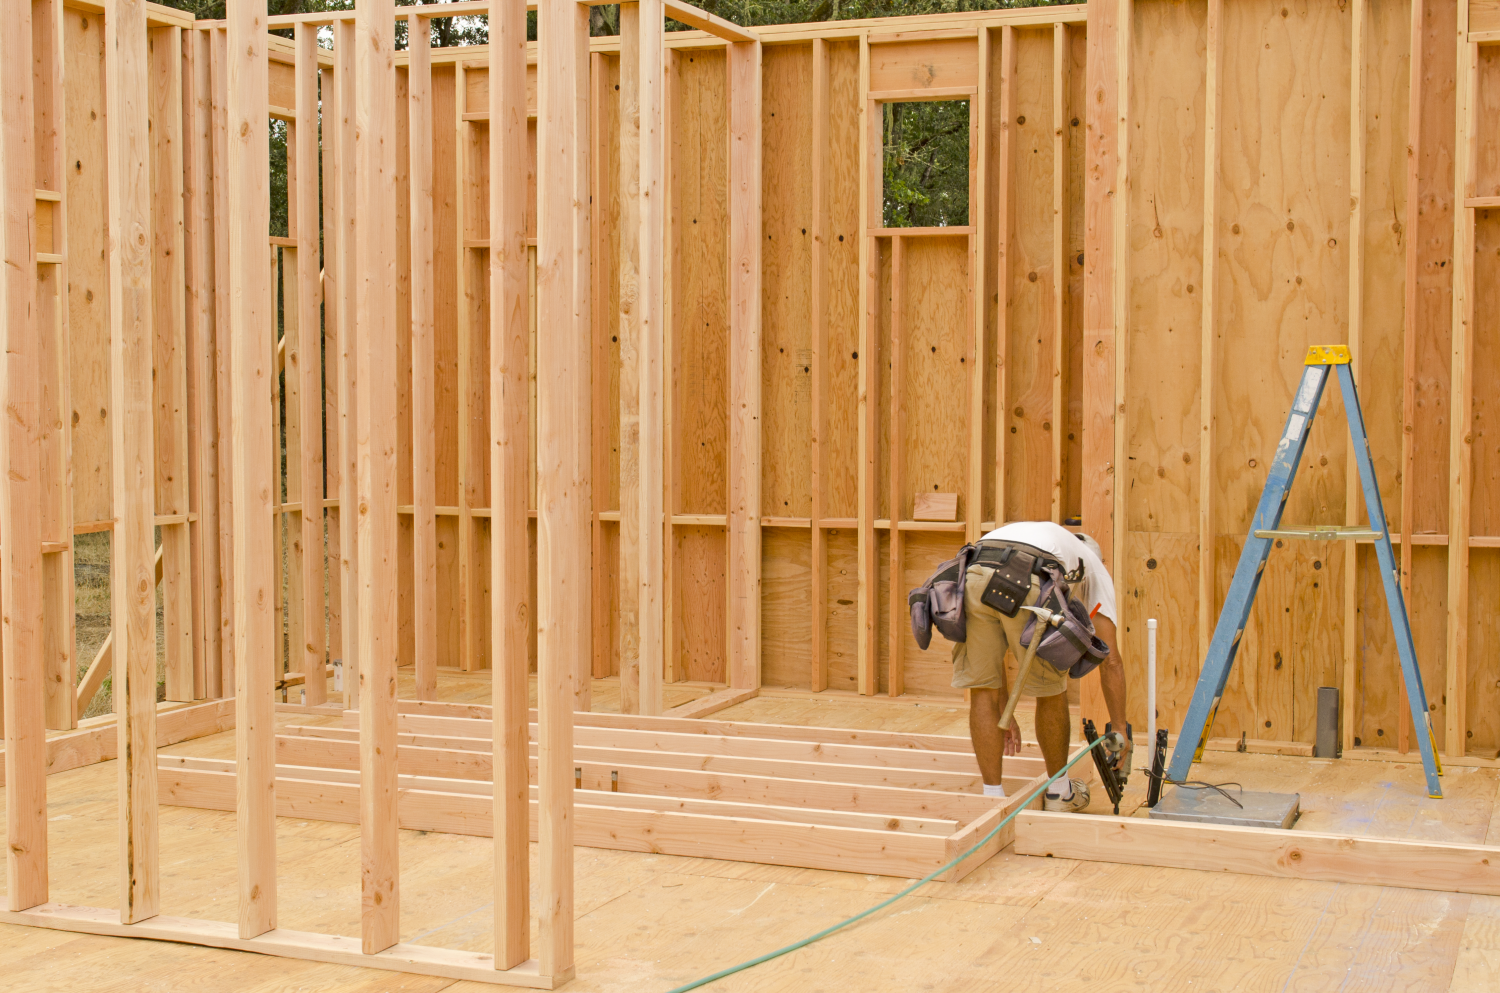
(979, 662)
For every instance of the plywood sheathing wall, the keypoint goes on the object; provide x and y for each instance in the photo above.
(1316, 226)
(938, 307)
(1284, 188)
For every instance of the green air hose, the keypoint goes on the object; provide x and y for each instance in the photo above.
(887, 902)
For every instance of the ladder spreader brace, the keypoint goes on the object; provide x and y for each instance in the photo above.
(1266, 527)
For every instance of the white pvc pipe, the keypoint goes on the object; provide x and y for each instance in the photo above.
(1151, 684)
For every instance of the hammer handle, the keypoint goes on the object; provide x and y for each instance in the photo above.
(1015, 693)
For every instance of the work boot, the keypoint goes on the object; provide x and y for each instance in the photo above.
(1078, 801)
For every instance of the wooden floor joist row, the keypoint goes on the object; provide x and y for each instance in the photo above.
(805, 797)
(100, 741)
(648, 922)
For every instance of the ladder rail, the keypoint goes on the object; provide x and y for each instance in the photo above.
(1240, 599)
(1235, 614)
(1390, 577)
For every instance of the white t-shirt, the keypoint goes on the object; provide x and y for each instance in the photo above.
(1096, 587)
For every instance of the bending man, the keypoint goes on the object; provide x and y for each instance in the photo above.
(979, 662)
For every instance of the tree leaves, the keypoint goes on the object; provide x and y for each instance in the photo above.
(925, 164)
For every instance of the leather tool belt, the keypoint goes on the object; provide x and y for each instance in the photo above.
(1014, 563)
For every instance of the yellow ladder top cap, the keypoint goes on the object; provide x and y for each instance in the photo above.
(1327, 355)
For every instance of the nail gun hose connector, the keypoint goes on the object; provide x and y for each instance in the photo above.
(1115, 750)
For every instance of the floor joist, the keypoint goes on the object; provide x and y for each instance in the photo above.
(826, 804)
(767, 748)
(1422, 865)
(332, 948)
(599, 824)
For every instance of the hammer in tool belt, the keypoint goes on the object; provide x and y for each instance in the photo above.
(1045, 618)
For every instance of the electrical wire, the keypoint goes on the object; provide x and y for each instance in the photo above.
(722, 973)
(1198, 784)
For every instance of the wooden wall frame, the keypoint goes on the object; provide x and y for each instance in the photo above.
(360, 296)
(1074, 251)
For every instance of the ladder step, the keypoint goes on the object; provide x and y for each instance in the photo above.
(1321, 532)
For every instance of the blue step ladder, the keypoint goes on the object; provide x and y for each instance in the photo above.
(1266, 528)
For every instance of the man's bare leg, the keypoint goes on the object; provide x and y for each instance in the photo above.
(984, 731)
(1052, 725)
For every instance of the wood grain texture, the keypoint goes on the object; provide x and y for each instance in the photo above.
(201, 341)
(1103, 198)
(819, 359)
(374, 123)
(564, 614)
(698, 396)
(1061, 64)
(423, 330)
(1268, 930)
(981, 419)
(1380, 371)
(1429, 293)
(1208, 366)
(642, 221)
(132, 581)
(287, 943)
(1322, 144)
(88, 301)
(996, 230)
(683, 828)
(510, 459)
(100, 743)
(867, 622)
(1028, 419)
(344, 70)
(895, 420)
(744, 454)
(333, 463)
(604, 297)
(21, 452)
(311, 654)
(223, 352)
(788, 313)
(1262, 852)
(49, 112)
(1297, 220)
(169, 379)
(1461, 393)
(255, 585)
(627, 572)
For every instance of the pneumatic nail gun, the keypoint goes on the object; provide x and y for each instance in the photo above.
(1107, 758)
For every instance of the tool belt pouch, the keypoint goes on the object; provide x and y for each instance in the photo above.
(1072, 645)
(1010, 583)
(939, 602)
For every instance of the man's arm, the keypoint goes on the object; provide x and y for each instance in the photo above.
(1112, 676)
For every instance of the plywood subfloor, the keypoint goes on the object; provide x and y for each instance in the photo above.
(475, 687)
(649, 922)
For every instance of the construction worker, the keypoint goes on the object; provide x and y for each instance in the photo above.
(979, 662)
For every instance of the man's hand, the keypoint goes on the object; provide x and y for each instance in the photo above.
(1013, 738)
(1124, 754)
